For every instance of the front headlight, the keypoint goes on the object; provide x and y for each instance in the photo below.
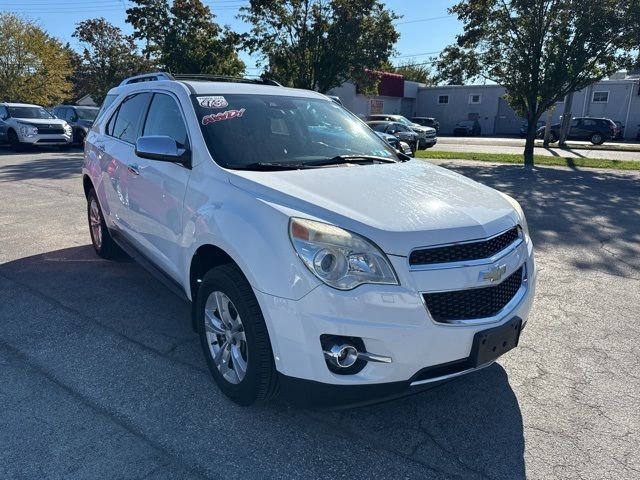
(339, 258)
(67, 129)
(28, 130)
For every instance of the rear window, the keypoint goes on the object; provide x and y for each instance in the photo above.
(108, 100)
(241, 130)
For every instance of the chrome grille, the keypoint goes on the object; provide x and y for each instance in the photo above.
(464, 251)
(475, 303)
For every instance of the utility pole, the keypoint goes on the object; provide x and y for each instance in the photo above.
(566, 120)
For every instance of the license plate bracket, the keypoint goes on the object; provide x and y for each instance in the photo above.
(490, 344)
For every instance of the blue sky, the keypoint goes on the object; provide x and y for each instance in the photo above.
(425, 27)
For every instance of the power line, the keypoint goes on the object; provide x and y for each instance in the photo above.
(428, 19)
(418, 54)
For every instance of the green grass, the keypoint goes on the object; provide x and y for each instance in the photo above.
(538, 159)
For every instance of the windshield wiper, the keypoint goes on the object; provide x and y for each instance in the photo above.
(357, 158)
(268, 166)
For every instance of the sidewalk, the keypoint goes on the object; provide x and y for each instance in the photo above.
(516, 146)
(626, 146)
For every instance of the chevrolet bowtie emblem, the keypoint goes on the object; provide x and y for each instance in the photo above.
(493, 274)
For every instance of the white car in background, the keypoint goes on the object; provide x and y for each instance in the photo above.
(321, 263)
(23, 124)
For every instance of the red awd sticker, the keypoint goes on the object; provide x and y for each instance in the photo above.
(218, 117)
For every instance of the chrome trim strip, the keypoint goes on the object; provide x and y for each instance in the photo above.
(512, 305)
(372, 357)
(451, 375)
(467, 263)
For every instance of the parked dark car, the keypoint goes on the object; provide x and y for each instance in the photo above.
(596, 130)
(396, 129)
(396, 143)
(525, 126)
(427, 122)
(426, 135)
(79, 117)
(467, 128)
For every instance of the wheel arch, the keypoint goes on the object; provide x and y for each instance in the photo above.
(87, 185)
(206, 257)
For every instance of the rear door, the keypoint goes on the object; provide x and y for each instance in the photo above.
(156, 204)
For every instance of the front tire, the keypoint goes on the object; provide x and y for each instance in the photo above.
(14, 141)
(79, 136)
(234, 336)
(101, 239)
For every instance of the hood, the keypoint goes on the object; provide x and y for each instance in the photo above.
(399, 206)
(41, 121)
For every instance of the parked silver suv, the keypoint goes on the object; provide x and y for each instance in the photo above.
(22, 124)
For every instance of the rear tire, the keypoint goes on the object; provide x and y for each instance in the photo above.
(101, 239)
(239, 332)
(553, 138)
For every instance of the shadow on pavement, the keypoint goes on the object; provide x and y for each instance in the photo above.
(575, 209)
(468, 428)
(60, 166)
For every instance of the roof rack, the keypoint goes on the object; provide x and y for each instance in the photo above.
(148, 77)
(157, 76)
(224, 78)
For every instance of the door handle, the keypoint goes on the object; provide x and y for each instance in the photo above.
(133, 169)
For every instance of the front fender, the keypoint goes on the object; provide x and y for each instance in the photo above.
(254, 234)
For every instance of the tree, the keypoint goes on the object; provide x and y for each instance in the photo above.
(540, 50)
(183, 37)
(34, 66)
(320, 44)
(415, 72)
(108, 57)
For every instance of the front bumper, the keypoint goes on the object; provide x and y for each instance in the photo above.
(391, 320)
(429, 142)
(53, 139)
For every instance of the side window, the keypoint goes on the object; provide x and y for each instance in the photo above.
(125, 123)
(589, 123)
(165, 118)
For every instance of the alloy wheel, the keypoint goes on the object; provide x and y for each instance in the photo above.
(226, 337)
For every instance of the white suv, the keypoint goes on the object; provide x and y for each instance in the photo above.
(320, 263)
(23, 124)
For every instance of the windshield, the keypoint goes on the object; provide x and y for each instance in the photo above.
(85, 113)
(244, 130)
(29, 112)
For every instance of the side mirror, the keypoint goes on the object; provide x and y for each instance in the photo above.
(74, 118)
(3, 116)
(162, 148)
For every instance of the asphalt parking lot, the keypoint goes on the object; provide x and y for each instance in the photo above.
(102, 377)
